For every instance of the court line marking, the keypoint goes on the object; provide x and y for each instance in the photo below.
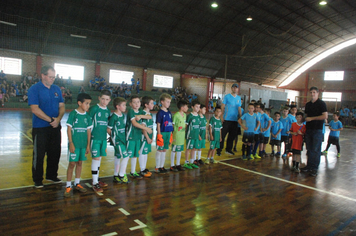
(140, 225)
(124, 211)
(22, 133)
(110, 234)
(90, 186)
(110, 201)
(290, 182)
(341, 227)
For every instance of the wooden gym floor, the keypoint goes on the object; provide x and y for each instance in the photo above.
(233, 197)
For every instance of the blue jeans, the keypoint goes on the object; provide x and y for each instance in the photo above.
(313, 139)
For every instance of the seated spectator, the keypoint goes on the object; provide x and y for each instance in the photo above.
(2, 75)
(12, 92)
(68, 96)
(81, 89)
(69, 80)
(92, 83)
(127, 93)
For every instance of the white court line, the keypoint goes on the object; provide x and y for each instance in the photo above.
(22, 133)
(110, 234)
(290, 182)
(110, 201)
(124, 211)
(234, 158)
(140, 225)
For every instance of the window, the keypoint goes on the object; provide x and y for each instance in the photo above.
(75, 72)
(334, 75)
(12, 66)
(162, 81)
(330, 96)
(117, 76)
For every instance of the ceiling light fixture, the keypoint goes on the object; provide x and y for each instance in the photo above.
(177, 55)
(133, 46)
(7, 23)
(249, 18)
(214, 5)
(323, 2)
(78, 36)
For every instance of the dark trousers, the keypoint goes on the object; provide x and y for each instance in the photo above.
(313, 140)
(231, 128)
(46, 141)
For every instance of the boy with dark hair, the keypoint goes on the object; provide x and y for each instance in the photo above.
(79, 126)
(134, 129)
(179, 124)
(276, 130)
(251, 125)
(297, 130)
(335, 127)
(287, 121)
(265, 127)
(164, 132)
(215, 126)
(192, 136)
(202, 134)
(100, 116)
(258, 135)
(146, 140)
(116, 130)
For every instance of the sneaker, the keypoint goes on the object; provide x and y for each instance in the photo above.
(102, 184)
(180, 168)
(173, 168)
(325, 153)
(313, 173)
(284, 156)
(158, 170)
(67, 192)
(196, 163)
(251, 157)
(145, 174)
(135, 175)
(97, 188)
(230, 152)
(124, 179)
(338, 155)
(39, 184)
(212, 161)
(55, 180)
(80, 188)
(305, 169)
(148, 171)
(235, 149)
(194, 166)
(257, 156)
(278, 154)
(164, 170)
(244, 157)
(297, 170)
(207, 161)
(218, 154)
(117, 180)
(187, 166)
(201, 162)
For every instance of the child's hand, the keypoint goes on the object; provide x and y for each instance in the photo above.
(244, 127)
(71, 147)
(211, 138)
(200, 138)
(149, 130)
(138, 117)
(87, 150)
(299, 132)
(149, 141)
(220, 139)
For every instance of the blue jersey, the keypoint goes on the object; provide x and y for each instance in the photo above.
(264, 119)
(251, 122)
(287, 124)
(258, 119)
(342, 112)
(232, 105)
(335, 125)
(276, 126)
(268, 132)
(165, 119)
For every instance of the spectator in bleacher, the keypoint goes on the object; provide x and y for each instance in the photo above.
(2, 75)
(12, 92)
(68, 95)
(91, 83)
(2, 95)
(69, 80)
(29, 78)
(127, 93)
(5, 94)
(81, 89)
(132, 83)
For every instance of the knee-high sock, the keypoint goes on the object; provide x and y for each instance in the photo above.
(158, 159)
(199, 154)
(133, 164)
(95, 164)
(123, 166)
(255, 147)
(141, 161)
(146, 156)
(243, 149)
(117, 166)
(172, 158)
(163, 158)
(179, 154)
(248, 150)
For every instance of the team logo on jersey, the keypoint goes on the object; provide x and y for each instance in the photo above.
(107, 115)
(56, 95)
(85, 121)
(166, 123)
(99, 114)
(118, 123)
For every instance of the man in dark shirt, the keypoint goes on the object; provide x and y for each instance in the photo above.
(316, 113)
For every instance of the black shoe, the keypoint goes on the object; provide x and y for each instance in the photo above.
(39, 184)
(201, 162)
(55, 180)
(218, 154)
(173, 168)
(313, 173)
(230, 152)
(180, 168)
(163, 170)
(235, 150)
(305, 169)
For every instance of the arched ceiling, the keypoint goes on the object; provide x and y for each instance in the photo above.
(283, 35)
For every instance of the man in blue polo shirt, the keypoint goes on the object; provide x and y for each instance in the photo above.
(47, 106)
(231, 109)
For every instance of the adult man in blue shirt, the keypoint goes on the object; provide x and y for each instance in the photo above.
(47, 106)
(231, 109)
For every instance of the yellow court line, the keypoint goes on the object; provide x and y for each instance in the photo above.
(290, 182)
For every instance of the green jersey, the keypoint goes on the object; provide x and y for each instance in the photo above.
(80, 123)
(193, 122)
(117, 126)
(179, 128)
(100, 117)
(148, 123)
(202, 127)
(216, 126)
(133, 133)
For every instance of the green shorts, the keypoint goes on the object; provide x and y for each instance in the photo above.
(145, 148)
(166, 137)
(78, 155)
(133, 147)
(202, 143)
(120, 151)
(177, 148)
(214, 144)
(193, 144)
(98, 148)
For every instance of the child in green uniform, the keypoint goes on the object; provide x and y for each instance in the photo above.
(134, 132)
(79, 126)
(192, 136)
(100, 116)
(179, 125)
(146, 139)
(116, 130)
(202, 133)
(215, 126)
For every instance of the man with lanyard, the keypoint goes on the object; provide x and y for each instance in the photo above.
(47, 106)
(231, 109)
(316, 113)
